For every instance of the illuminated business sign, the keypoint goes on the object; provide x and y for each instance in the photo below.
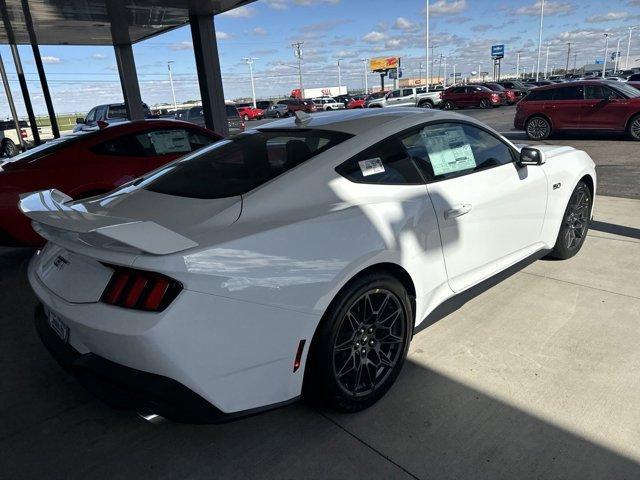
(382, 64)
(497, 51)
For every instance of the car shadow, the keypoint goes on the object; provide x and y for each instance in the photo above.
(615, 229)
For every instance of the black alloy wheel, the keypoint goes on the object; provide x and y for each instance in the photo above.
(538, 128)
(575, 223)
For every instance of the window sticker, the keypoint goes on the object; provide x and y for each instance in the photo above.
(371, 166)
(170, 141)
(448, 148)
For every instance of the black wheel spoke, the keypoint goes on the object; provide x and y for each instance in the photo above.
(348, 366)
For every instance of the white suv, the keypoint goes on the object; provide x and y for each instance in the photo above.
(328, 103)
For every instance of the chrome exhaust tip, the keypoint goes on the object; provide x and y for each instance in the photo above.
(152, 417)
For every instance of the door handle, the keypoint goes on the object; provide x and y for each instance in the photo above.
(458, 211)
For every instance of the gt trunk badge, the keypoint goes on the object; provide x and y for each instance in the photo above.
(60, 262)
(556, 186)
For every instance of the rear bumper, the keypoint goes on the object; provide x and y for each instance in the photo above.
(126, 388)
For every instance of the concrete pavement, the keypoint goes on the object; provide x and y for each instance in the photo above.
(530, 375)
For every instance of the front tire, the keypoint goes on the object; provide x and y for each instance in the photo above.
(245, 118)
(9, 148)
(278, 115)
(634, 128)
(426, 104)
(449, 105)
(538, 128)
(575, 223)
(361, 344)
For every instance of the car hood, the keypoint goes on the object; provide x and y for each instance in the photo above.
(132, 217)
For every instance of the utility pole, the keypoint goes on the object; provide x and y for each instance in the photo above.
(480, 72)
(626, 63)
(575, 60)
(606, 52)
(432, 46)
(339, 75)
(546, 62)
(518, 66)
(427, 43)
(440, 67)
(297, 50)
(173, 92)
(566, 70)
(249, 61)
(540, 37)
(454, 74)
(444, 80)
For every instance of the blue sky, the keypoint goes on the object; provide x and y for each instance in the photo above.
(463, 30)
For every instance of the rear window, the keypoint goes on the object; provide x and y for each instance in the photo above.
(536, 95)
(236, 166)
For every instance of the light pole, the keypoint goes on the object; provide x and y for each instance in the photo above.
(480, 71)
(546, 62)
(518, 66)
(626, 63)
(540, 37)
(366, 80)
(339, 74)
(454, 74)
(173, 92)
(249, 61)
(432, 46)
(617, 62)
(566, 68)
(444, 79)
(606, 52)
(427, 43)
(297, 49)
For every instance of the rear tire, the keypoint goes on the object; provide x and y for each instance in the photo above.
(361, 344)
(484, 103)
(426, 104)
(278, 115)
(538, 128)
(245, 118)
(634, 128)
(9, 148)
(449, 105)
(575, 223)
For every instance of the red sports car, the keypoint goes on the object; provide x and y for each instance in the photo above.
(87, 164)
(247, 112)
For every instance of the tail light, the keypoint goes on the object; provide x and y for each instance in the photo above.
(495, 96)
(140, 290)
(23, 133)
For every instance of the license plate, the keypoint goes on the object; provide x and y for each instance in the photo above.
(58, 326)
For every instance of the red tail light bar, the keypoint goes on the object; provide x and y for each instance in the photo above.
(140, 290)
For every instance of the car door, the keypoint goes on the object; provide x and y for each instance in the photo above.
(407, 98)
(394, 98)
(467, 97)
(603, 109)
(490, 212)
(568, 102)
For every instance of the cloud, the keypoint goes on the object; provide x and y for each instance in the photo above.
(220, 35)
(181, 46)
(373, 37)
(346, 54)
(482, 28)
(51, 59)
(608, 17)
(550, 8)
(240, 12)
(259, 31)
(402, 23)
(445, 7)
(99, 56)
(277, 4)
(311, 3)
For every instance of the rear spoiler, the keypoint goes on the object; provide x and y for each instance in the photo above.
(51, 208)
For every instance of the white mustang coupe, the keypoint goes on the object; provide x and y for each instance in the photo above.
(296, 257)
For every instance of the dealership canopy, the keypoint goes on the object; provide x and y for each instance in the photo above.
(120, 23)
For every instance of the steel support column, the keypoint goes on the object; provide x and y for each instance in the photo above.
(129, 81)
(20, 72)
(38, 60)
(12, 106)
(205, 48)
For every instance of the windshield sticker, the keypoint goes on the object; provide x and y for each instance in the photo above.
(170, 141)
(448, 148)
(371, 166)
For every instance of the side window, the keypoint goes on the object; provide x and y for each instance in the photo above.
(91, 116)
(593, 92)
(568, 93)
(387, 163)
(449, 150)
(407, 91)
(536, 95)
(152, 144)
(394, 94)
(117, 111)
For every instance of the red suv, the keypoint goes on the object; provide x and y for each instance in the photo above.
(471, 96)
(587, 105)
(512, 96)
(295, 104)
(86, 164)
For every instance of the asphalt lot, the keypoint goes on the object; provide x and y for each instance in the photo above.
(530, 375)
(616, 157)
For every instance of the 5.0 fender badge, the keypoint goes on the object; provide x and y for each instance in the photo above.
(556, 186)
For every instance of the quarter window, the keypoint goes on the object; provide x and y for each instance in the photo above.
(154, 143)
(448, 150)
(387, 163)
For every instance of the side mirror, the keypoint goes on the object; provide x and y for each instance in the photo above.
(80, 120)
(531, 156)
